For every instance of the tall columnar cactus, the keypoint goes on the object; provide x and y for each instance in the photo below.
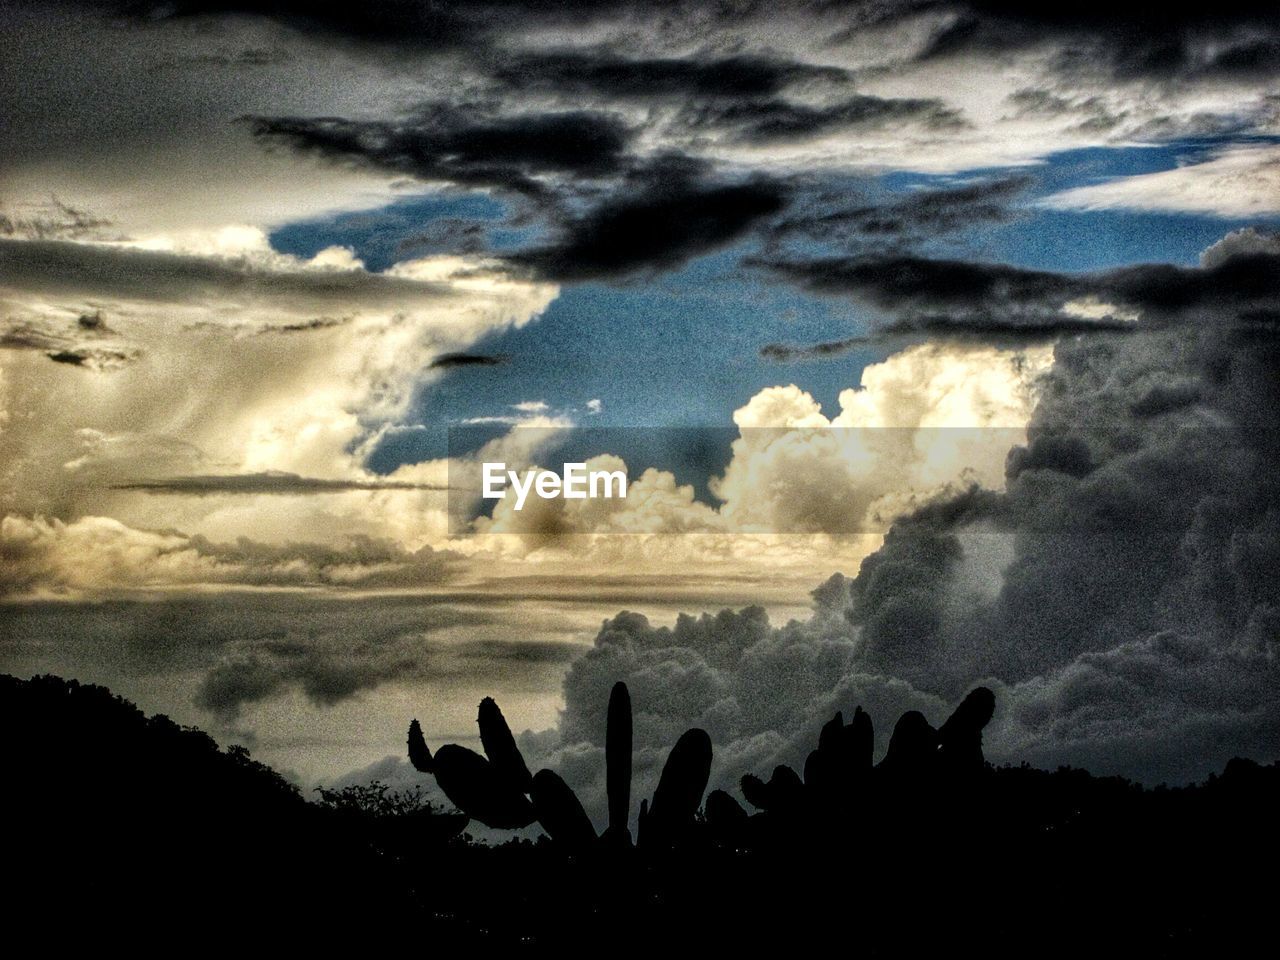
(617, 762)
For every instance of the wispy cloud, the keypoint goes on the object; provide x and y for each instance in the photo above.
(260, 483)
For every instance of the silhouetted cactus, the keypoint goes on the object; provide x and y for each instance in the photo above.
(419, 755)
(913, 747)
(829, 735)
(819, 766)
(841, 787)
(500, 747)
(501, 793)
(478, 789)
(960, 738)
(838, 776)
(617, 762)
(726, 818)
(860, 741)
(560, 812)
(783, 792)
(485, 790)
(834, 771)
(723, 809)
(680, 788)
(787, 787)
(756, 791)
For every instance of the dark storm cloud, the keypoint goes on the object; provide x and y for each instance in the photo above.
(830, 217)
(525, 652)
(409, 23)
(253, 646)
(640, 215)
(460, 145)
(315, 323)
(1239, 38)
(251, 57)
(87, 342)
(1004, 330)
(452, 361)
(1166, 397)
(429, 25)
(26, 336)
(1236, 40)
(771, 120)
(1023, 331)
(663, 216)
(1095, 116)
(913, 284)
(54, 220)
(924, 295)
(327, 673)
(69, 357)
(1145, 521)
(1143, 518)
(608, 74)
(939, 296)
(93, 358)
(229, 687)
(260, 483)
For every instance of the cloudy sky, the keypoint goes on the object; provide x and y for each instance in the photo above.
(937, 339)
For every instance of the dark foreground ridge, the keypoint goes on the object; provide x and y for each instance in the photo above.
(134, 831)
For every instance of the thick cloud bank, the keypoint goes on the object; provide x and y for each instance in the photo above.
(1119, 594)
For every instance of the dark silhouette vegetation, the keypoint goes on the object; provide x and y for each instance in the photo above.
(131, 829)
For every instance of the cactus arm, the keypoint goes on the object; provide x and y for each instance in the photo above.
(756, 791)
(560, 812)
(479, 790)
(500, 747)
(419, 754)
(683, 780)
(960, 738)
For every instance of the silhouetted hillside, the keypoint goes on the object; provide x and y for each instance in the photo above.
(131, 830)
(123, 825)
